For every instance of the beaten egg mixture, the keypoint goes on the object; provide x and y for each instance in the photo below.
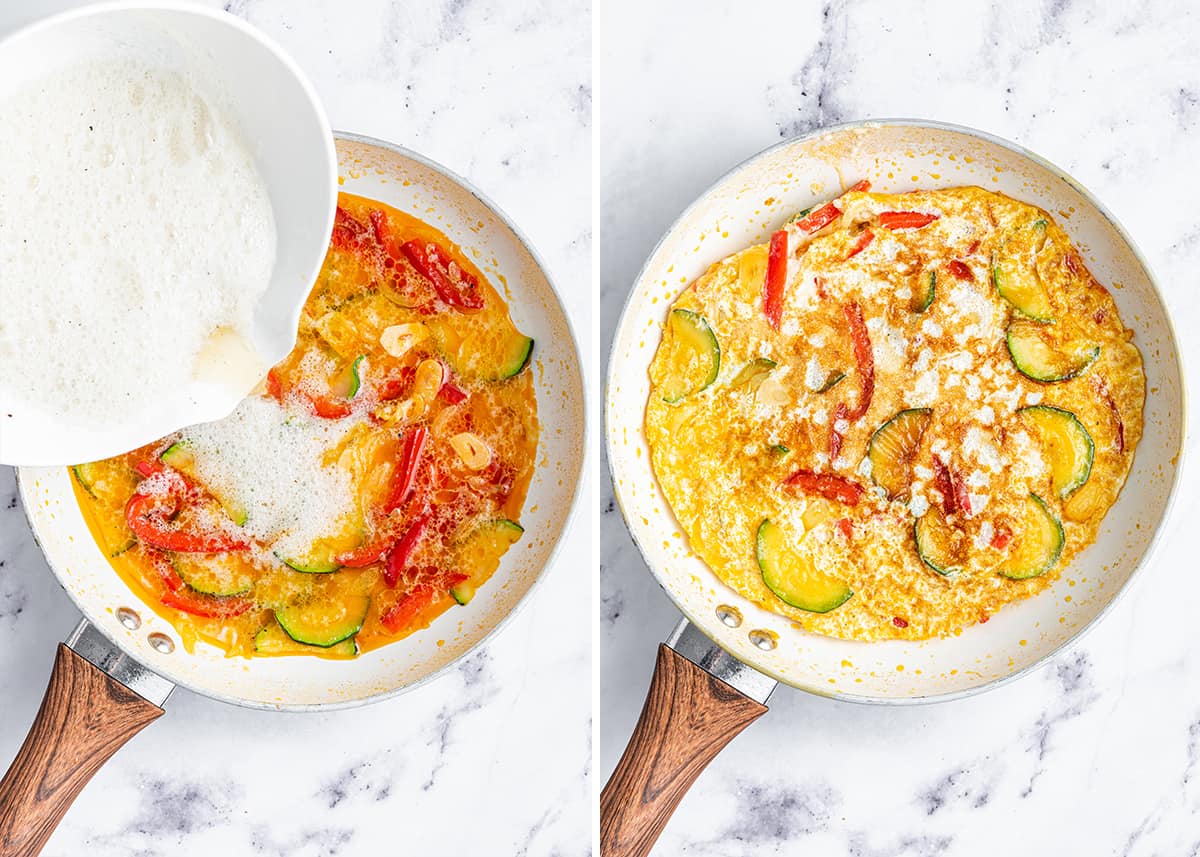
(899, 415)
(375, 482)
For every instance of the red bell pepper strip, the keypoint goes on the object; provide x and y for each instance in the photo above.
(776, 278)
(819, 219)
(327, 407)
(835, 434)
(952, 488)
(828, 485)
(1102, 389)
(863, 356)
(148, 468)
(398, 559)
(845, 527)
(410, 605)
(452, 394)
(406, 468)
(210, 606)
(905, 219)
(382, 230)
(455, 286)
(348, 232)
(274, 385)
(413, 603)
(162, 565)
(827, 213)
(147, 516)
(944, 485)
(864, 239)
(960, 270)
(370, 552)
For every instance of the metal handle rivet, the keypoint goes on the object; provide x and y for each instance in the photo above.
(129, 618)
(730, 616)
(161, 643)
(765, 640)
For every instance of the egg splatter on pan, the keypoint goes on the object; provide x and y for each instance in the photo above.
(900, 414)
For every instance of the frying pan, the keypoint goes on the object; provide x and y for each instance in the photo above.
(115, 671)
(716, 671)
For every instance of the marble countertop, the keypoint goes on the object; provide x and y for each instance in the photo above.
(1096, 753)
(493, 758)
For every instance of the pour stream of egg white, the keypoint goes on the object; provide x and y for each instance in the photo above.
(136, 236)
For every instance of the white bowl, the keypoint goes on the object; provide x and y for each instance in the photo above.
(284, 125)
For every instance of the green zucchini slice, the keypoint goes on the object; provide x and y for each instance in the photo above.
(1018, 284)
(273, 640)
(1037, 544)
(940, 546)
(922, 294)
(346, 382)
(753, 373)
(180, 456)
(315, 562)
(517, 353)
(831, 380)
(1066, 444)
(792, 577)
(1042, 361)
(693, 356)
(324, 623)
(87, 475)
(479, 555)
(221, 575)
(893, 447)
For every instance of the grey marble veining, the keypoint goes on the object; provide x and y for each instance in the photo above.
(1096, 753)
(492, 758)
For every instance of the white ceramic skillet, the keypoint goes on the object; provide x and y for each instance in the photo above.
(724, 660)
(121, 663)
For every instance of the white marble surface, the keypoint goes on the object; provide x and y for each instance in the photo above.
(1097, 753)
(494, 758)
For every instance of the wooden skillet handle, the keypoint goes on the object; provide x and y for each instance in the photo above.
(688, 718)
(85, 717)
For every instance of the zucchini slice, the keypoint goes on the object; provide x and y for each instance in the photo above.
(324, 623)
(273, 640)
(831, 380)
(224, 574)
(124, 546)
(87, 475)
(315, 562)
(922, 294)
(792, 577)
(180, 456)
(694, 359)
(480, 555)
(346, 382)
(1039, 360)
(940, 546)
(753, 373)
(1018, 284)
(516, 356)
(1066, 444)
(1038, 542)
(893, 447)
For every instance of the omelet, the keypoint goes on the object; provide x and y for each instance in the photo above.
(902, 413)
